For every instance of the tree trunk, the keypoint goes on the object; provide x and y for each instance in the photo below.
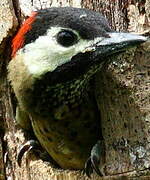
(122, 90)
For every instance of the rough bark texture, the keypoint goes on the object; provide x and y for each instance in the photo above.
(122, 90)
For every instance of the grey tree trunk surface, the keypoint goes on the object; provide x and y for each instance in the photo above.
(122, 90)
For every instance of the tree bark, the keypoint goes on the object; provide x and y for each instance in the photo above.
(122, 90)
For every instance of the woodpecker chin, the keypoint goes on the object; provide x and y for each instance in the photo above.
(55, 54)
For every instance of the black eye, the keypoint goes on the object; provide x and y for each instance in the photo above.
(66, 38)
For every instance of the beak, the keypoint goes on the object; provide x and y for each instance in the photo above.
(116, 42)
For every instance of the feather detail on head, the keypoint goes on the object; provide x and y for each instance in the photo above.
(18, 40)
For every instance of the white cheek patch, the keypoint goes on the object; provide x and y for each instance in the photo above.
(45, 54)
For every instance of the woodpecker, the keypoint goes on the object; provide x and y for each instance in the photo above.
(55, 55)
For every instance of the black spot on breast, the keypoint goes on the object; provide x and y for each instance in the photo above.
(93, 130)
(73, 135)
(66, 124)
(79, 143)
(49, 139)
(87, 125)
(40, 130)
(125, 125)
(46, 130)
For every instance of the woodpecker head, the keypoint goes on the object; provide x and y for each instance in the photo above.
(67, 42)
